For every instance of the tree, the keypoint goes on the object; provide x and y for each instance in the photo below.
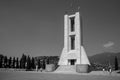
(43, 64)
(10, 62)
(48, 61)
(33, 63)
(116, 63)
(5, 62)
(17, 62)
(1, 60)
(28, 63)
(39, 63)
(13, 65)
(23, 61)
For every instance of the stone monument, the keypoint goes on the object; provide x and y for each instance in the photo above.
(73, 57)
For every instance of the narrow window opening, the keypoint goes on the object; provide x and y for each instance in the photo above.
(72, 24)
(72, 42)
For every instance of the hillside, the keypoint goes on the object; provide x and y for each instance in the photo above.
(105, 58)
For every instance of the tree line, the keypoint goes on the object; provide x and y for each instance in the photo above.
(29, 63)
(26, 62)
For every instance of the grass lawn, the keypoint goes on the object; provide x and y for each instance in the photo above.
(52, 76)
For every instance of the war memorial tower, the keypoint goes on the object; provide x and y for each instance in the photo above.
(73, 56)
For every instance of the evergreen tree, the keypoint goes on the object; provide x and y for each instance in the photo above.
(17, 62)
(28, 63)
(10, 62)
(23, 61)
(39, 63)
(48, 61)
(116, 63)
(5, 62)
(43, 64)
(33, 63)
(13, 65)
(1, 60)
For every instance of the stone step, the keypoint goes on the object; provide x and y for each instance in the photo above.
(66, 68)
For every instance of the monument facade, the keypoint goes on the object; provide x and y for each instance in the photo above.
(73, 52)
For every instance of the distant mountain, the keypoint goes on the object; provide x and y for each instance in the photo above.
(105, 58)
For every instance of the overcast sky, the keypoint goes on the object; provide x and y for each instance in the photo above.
(35, 27)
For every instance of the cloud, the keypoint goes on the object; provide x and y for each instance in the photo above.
(109, 44)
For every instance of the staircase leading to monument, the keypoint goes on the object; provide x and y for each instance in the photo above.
(66, 68)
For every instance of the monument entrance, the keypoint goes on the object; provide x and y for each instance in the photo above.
(71, 61)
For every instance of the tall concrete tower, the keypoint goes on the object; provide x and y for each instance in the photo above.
(73, 52)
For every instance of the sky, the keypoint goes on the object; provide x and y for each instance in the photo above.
(36, 27)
